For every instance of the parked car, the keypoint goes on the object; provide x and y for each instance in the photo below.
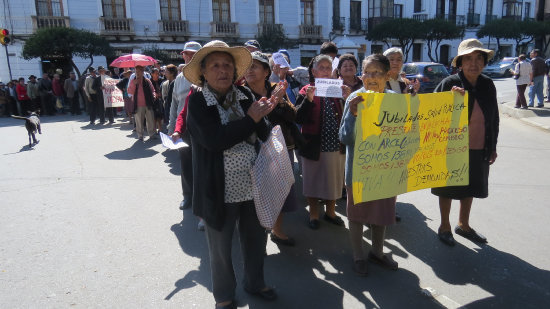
(428, 73)
(503, 68)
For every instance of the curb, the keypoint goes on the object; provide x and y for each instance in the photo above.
(534, 116)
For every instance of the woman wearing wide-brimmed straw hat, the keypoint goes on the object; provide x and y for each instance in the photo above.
(483, 134)
(225, 122)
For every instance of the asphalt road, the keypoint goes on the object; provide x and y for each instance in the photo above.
(90, 219)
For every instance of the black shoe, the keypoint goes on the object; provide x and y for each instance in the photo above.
(336, 220)
(289, 241)
(185, 204)
(471, 235)
(268, 294)
(314, 224)
(446, 238)
(231, 305)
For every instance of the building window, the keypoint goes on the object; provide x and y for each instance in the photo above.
(527, 10)
(170, 10)
(398, 11)
(417, 6)
(221, 12)
(471, 6)
(440, 8)
(267, 12)
(306, 12)
(417, 52)
(49, 8)
(336, 9)
(114, 8)
(381, 8)
(511, 9)
(355, 15)
(489, 7)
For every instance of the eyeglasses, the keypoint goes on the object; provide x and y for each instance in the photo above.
(375, 74)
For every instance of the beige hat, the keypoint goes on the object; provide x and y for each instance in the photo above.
(240, 54)
(469, 46)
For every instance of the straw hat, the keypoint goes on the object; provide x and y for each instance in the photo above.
(240, 54)
(469, 46)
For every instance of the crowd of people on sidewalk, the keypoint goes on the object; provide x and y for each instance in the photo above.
(531, 73)
(226, 100)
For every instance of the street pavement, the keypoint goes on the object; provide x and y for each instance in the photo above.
(90, 219)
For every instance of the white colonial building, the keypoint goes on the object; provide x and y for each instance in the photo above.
(134, 25)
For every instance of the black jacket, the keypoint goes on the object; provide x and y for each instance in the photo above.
(209, 138)
(486, 94)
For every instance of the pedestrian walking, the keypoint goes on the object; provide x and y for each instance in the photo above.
(33, 93)
(536, 86)
(91, 95)
(522, 74)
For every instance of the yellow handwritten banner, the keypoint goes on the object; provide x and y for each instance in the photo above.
(405, 143)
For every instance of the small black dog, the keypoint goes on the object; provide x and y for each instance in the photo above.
(32, 124)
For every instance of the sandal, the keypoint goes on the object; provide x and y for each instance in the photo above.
(360, 267)
(384, 261)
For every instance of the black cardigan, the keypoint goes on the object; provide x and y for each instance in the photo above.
(486, 94)
(209, 138)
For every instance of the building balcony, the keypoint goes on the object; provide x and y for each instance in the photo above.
(270, 28)
(221, 29)
(116, 26)
(310, 31)
(338, 24)
(49, 22)
(458, 20)
(173, 28)
(358, 25)
(490, 18)
(420, 17)
(472, 20)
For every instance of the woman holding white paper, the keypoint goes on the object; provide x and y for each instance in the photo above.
(379, 213)
(322, 154)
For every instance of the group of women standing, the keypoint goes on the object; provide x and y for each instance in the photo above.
(226, 121)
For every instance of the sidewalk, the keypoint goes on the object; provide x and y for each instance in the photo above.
(535, 116)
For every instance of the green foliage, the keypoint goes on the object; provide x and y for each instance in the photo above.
(434, 31)
(523, 32)
(273, 39)
(404, 30)
(159, 54)
(66, 43)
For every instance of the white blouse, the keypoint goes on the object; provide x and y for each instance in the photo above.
(524, 70)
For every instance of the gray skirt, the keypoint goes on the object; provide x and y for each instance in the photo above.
(324, 179)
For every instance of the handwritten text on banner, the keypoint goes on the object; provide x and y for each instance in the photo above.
(405, 143)
(112, 96)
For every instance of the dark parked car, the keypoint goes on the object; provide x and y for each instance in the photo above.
(428, 73)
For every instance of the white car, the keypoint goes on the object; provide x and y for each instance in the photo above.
(503, 68)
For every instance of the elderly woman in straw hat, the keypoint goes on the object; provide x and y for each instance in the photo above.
(483, 134)
(225, 122)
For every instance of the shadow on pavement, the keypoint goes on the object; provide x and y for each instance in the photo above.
(512, 282)
(172, 159)
(138, 150)
(192, 243)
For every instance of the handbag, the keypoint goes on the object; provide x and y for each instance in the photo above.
(272, 178)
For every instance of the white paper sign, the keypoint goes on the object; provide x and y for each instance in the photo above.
(112, 96)
(326, 87)
(168, 143)
(279, 58)
(335, 63)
